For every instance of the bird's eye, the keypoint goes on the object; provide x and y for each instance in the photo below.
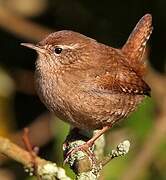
(57, 50)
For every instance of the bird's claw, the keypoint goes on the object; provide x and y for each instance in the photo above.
(84, 148)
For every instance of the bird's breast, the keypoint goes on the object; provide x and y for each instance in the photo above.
(45, 87)
(56, 94)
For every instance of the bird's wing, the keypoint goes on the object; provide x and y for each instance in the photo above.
(120, 80)
(135, 46)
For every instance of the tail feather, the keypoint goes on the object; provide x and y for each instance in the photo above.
(135, 46)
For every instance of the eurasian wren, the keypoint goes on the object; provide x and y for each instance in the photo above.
(88, 84)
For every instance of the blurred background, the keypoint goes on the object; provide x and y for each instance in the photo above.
(109, 22)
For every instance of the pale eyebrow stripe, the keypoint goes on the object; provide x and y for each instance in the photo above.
(72, 46)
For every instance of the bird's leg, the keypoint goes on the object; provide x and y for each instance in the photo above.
(85, 147)
(91, 141)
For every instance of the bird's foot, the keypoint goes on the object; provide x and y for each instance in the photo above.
(86, 147)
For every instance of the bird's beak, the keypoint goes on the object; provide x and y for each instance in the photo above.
(35, 47)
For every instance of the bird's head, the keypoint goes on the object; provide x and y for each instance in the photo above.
(63, 48)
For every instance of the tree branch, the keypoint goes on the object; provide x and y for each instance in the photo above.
(46, 170)
(84, 166)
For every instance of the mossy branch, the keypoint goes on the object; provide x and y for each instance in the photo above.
(82, 164)
(45, 170)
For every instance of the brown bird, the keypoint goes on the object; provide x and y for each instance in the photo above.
(88, 84)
